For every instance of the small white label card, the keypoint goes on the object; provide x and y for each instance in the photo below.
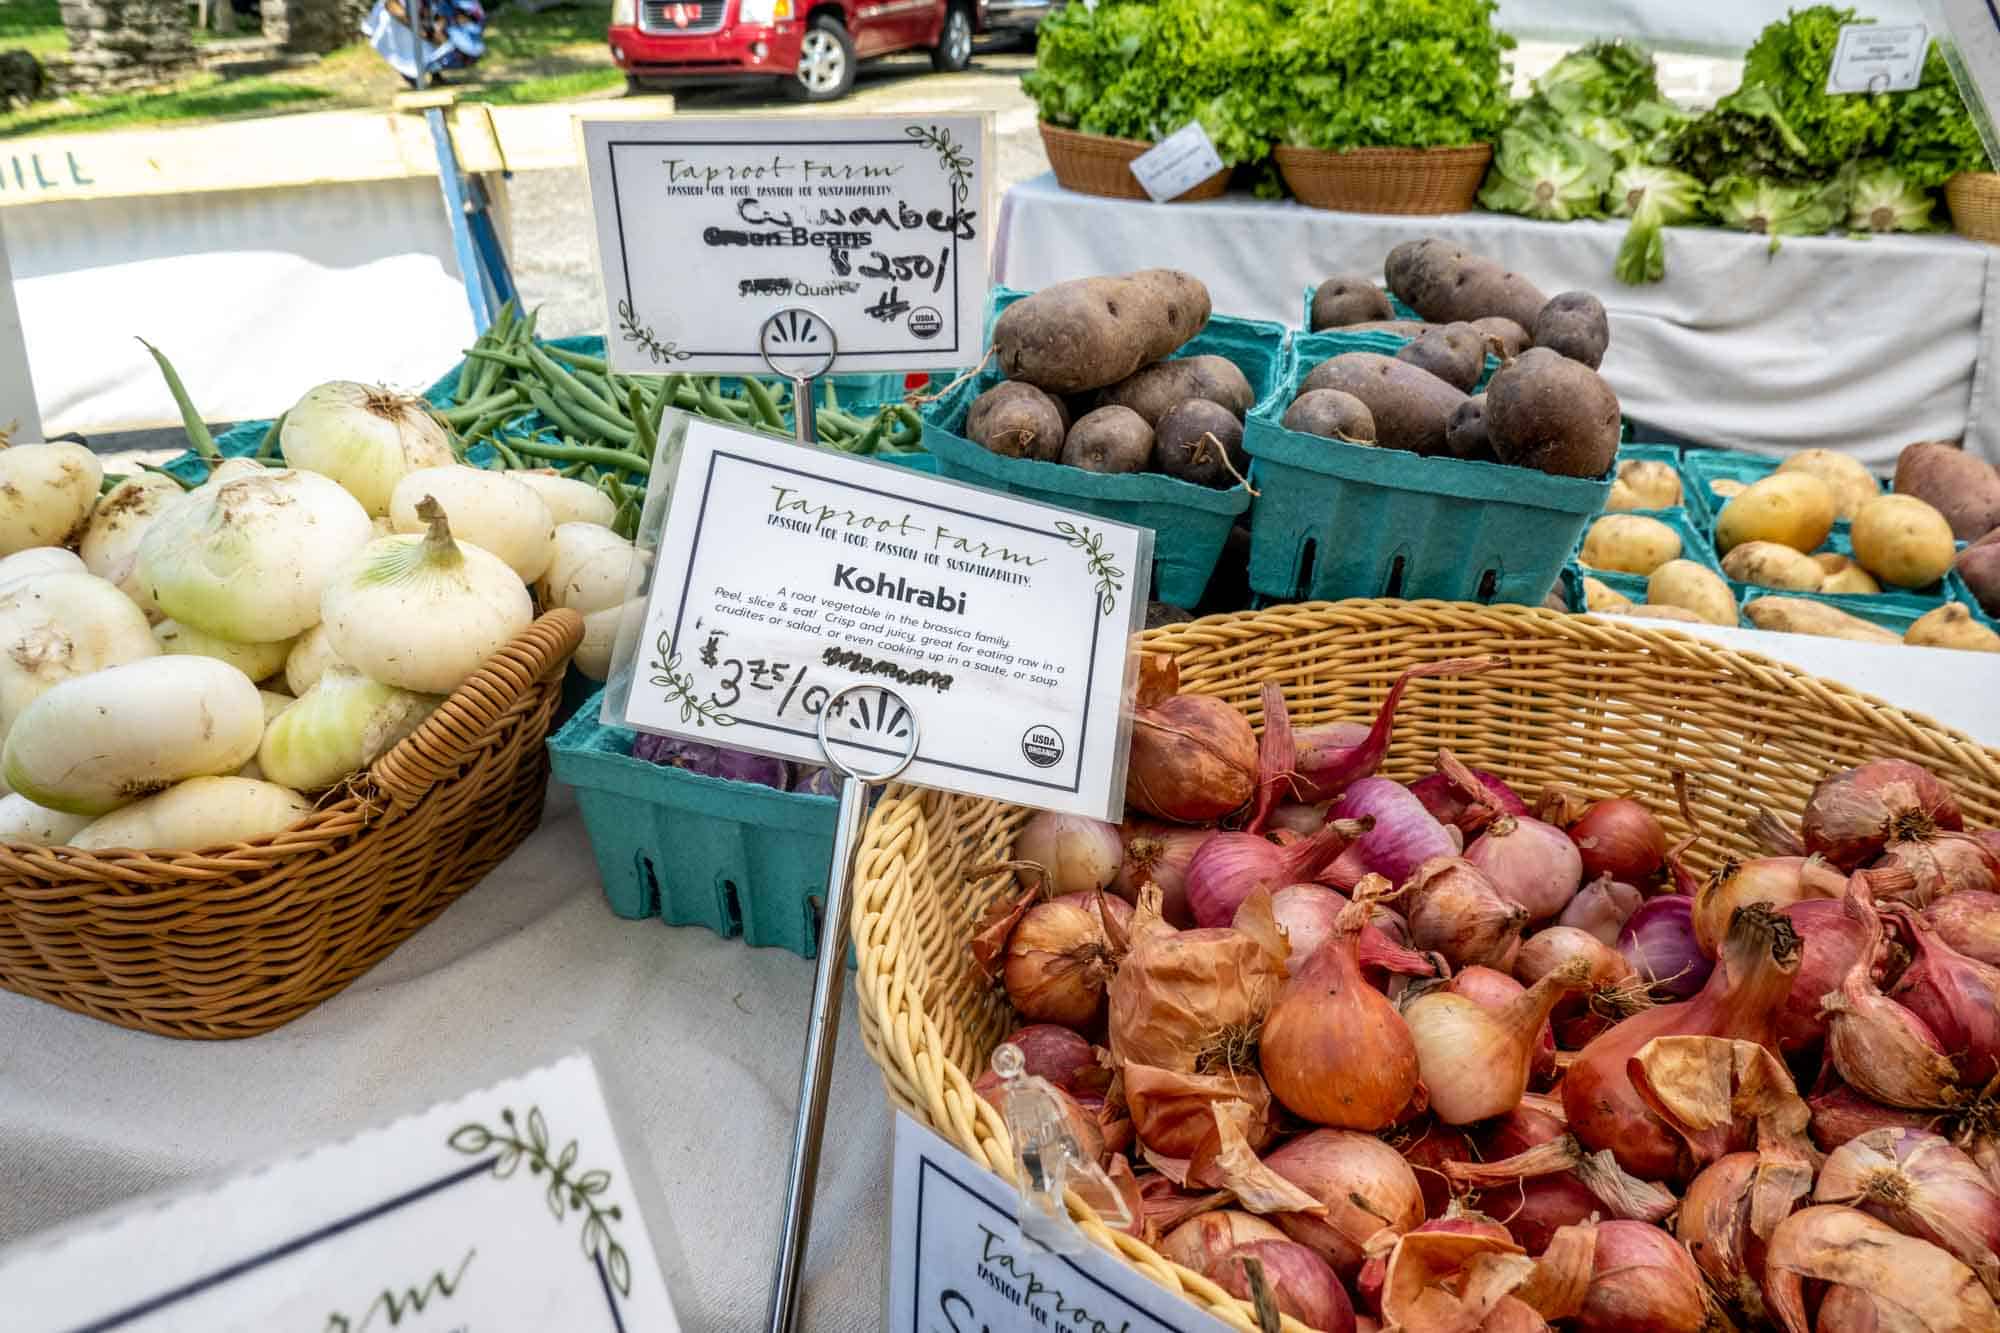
(958, 1263)
(878, 225)
(1177, 163)
(784, 575)
(1879, 58)
(508, 1211)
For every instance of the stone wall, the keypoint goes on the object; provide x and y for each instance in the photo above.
(116, 44)
(314, 27)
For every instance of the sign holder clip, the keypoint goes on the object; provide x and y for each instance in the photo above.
(891, 721)
(801, 347)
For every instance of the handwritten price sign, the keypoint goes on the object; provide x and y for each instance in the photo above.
(877, 224)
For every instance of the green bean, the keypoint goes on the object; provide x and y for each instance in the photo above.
(269, 444)
(563, 384)
(488, 424)
(511, 360)
(871, 438)
(760, 400)
(585, 453)
(479, 407)
(574, 470)
(184, 485)
(578, 361)
(832, 398)
(498, 338)
(507, 456)
(647, 442)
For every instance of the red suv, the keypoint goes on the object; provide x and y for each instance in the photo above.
(812, 45)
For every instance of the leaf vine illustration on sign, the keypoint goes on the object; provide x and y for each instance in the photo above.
(970, 606)
(876, 224)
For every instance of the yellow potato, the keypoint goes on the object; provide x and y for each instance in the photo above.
(1693, 588)
(1798, 615)
(1645, 484)
(1952, 626)
(1794, 509)
(1659, 613)
(1726, 488)
(1852, 484)
(1903, 541)
(1773, 566)
(1630, 544)
(1843, 575)
(1597, 596)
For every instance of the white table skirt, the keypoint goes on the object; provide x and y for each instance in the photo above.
(1859, 345)
(699, 1037)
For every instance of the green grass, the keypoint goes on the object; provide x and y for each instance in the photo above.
(35, 25)
(512, 35)
(206, 97)
(556, 88)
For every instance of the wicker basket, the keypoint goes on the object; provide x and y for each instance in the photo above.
(1607, 708)
(1974, 200)
(1096, 164)
(1386, 180)
(231, 943)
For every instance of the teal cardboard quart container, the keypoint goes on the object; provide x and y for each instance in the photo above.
(1190, 523)
(1335, 520)
(738, 858)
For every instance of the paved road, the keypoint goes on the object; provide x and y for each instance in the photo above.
(553, 261)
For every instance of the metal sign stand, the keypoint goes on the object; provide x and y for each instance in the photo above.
(829, 983)
(799, 346)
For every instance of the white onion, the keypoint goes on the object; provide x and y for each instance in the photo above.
(201, 812)
(592, 569)
(92, 744)
(22, 566)
(340, 726)
(363, 436)
(247, 559)
(569, 500)
(255, 660)
(600, 639)
(489, 509)
(46, 492)
(311, 655)
(60, 626)
(22, 821)
(110, 543)
(422, 613)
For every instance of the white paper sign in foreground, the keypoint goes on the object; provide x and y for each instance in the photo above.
(508, 1211)
(957, 1263)
(879, 225)
(786, 574)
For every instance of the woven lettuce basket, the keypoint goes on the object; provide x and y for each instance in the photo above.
(1604, 707)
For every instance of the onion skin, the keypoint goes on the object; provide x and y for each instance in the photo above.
(1660, 945)
(1079, 855)
(1602, 907)
(1450, 800)
(1175, 988)
(1957, 997)
(1970, 923)
(1455, 910)
(1172, 1115)
(1193, 760)
(1620, 838)
(1530, 863)
(1427, 1146)
(1714, 1225)
(1160, 854)
(1830, 941)
(1301, 1283)
(1404, 837)
(1364, 1184)
(1942, 865)
(1740, 1003)
(1643, 1278)
(1333, 1049)
(1852, 815)
(1880, 1048)
(1200, 1242)
(1846, 1246)
(1778, 881)
(1922, 1186)
(1058, 965)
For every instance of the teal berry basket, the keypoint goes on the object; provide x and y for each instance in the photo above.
(736, 858)
(1703, 467)
(1190, 523)
(1695, 546)
(1335, 520)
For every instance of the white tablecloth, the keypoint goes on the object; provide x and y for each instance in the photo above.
(1863, 346)
(700, 1037)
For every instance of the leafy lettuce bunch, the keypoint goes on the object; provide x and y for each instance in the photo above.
(1388, 74)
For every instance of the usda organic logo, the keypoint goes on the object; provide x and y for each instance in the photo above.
(1042, 746)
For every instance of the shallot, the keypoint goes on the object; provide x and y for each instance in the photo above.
(1495, 991)
(1331, 758)
(1193, 756)
(1465, 798)
(1201, 1242)
(1455, 910)
(1333, 1049)
(1776, 881)
(1880, 1048)
(1942, 863)
(1602, 907)
(1404, 836)
(1642, 1278)
(1970, 923)
(1300, 1282)
(1830, 940)
(1364, 1185)
(1740, 1002)
(1852, 815)
(1077, 854)
(1531, 863)
(1926, 1288)
(1476, 1060)
(1921, 1185)
(1059, 964)
(1230, 867)
(1176, 988)
(1659, 942)
(1620, 838)
(1160, 854)
(1715, 1226)
(1957, 997)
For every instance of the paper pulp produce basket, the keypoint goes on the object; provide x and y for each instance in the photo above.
(1190, 523)
(737, 857)
(1334, 519)
(1604, 707)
